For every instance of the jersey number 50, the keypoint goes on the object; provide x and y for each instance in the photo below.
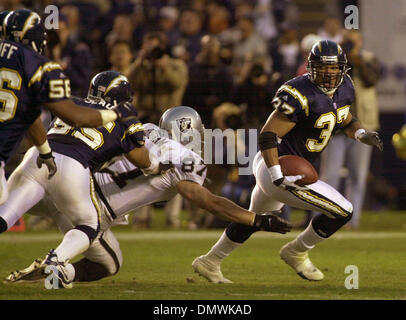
(92, 137)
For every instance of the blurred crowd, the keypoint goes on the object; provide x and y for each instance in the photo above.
(225, 58)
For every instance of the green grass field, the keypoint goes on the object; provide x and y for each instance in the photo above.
(157, 265)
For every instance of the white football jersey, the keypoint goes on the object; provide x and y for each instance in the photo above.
(128, 189)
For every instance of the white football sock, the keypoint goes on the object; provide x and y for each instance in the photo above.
(222, 249)
(74, 242)
(308, 239)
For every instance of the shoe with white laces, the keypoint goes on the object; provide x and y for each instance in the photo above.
(52, 264)
(209, 270)
(300, 262)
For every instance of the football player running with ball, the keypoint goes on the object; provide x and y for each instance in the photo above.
(308, 110)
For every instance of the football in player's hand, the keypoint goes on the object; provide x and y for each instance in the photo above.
(294, 165)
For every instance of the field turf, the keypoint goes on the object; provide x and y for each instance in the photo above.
(157, 265)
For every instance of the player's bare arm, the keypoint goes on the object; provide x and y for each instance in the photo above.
(78, 116)
(353, 129)
(37, 133)
(228, 210)
(38, 136)
(140, 157)
(277, 125)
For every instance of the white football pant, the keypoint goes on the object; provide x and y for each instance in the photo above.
(319, 197)
(70, 189)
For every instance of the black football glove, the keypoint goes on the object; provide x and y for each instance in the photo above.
(371, 138)
(272, 223)
(125, 111)
(49, 160)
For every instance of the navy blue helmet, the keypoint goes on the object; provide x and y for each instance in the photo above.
(327, 64)
(110, 86)
(25, 26)
(3, 15)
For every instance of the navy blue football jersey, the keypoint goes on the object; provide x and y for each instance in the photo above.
(317, 116)
(95, 147)
(27, 79)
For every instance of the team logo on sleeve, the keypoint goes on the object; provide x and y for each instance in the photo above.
(184, 124)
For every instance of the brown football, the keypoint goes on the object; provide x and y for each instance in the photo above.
(294, 165)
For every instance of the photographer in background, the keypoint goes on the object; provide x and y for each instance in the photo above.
(347, 153)
(158, 80)
(252, 95)
(211, 81)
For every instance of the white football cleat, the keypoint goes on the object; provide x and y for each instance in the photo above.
(300, 262)
(40, 269)
(29, 274)
(58, 268)
(209, 270)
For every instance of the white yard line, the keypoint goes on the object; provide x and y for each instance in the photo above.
(10, 237)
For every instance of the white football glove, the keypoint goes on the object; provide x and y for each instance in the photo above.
(285, 182)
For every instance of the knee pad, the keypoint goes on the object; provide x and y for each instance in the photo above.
(240, 232)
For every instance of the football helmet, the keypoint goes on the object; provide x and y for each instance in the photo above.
(110, 86)
(3, 15)
(183, 122)
(325, 54)
(25, 26)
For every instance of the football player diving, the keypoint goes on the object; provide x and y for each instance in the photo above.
(29, 80)
(121, 187)
(308, 110)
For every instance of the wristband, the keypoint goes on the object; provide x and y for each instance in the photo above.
(358, 133)
(44, 148)
(108, 116)
(275, 172)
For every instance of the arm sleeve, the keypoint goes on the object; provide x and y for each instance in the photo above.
(291, 103)
(49, 83)
(133, 135)
(188, 171)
